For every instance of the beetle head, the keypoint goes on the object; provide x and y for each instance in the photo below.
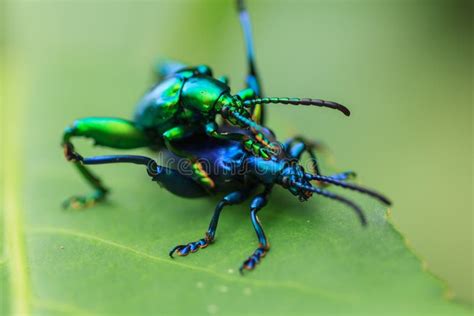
(293, 177)
(231, 108)
(291, 173)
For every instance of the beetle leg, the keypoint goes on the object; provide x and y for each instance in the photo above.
(240, 117)
(109, 132)
(252, 80)
(256, 205)
(248, 94)
(252, 145)
(298, 145)
(172, 180)
(178, 133)
(230, 199)
(255, 127)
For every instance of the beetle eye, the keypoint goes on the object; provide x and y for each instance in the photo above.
(225, 111)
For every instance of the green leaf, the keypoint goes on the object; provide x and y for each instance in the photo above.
(113, 258)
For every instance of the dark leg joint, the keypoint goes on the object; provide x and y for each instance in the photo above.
(70, 154)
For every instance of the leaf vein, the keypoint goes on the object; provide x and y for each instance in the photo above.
(258, 283)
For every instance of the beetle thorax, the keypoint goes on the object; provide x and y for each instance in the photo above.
(201, 93)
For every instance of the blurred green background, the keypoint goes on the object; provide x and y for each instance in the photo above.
(403, 67)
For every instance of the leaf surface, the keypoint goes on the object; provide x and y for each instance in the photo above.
(113, 258)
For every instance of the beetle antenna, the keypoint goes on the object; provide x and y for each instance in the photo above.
(350, 186)
(298, 101)
(336, 197)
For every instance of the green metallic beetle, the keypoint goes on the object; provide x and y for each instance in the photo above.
(186, 101)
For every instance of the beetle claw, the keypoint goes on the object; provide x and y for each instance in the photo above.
(184, 250)
(253, 260)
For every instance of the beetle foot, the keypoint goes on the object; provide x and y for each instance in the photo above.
(184, 250)
(255, 258)
(84, 201)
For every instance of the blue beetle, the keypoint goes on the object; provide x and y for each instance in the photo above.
(234, 167)
(186, 101)
(237, 174)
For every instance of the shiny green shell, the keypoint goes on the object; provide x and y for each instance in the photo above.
(186, 98)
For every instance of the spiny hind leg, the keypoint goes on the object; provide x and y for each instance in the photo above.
(252, 79)
(172, 180)
(108, 132)
(230, 199)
